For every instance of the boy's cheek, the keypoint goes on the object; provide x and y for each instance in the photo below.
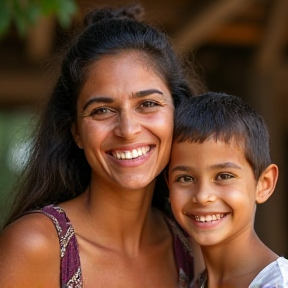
(177, 201)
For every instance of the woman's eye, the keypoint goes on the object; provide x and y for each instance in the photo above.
(101, 112)
(224, 176)
(148, 105)
(185, 179)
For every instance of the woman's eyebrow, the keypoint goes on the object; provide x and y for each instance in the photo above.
(147, 92)
(101, 99)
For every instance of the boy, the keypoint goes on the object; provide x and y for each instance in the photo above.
(220, 168)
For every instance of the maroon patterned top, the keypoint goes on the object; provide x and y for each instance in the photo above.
(71, 274)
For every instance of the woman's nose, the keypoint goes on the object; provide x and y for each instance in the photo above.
(127, 125)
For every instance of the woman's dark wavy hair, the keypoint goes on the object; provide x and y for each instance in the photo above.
(58, 170)
(227, 118)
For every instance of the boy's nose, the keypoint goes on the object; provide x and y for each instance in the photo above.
(204, 195)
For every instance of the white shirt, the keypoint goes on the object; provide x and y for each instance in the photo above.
(275, 275)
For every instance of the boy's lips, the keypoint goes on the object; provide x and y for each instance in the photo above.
(207, 217)
(130, 154)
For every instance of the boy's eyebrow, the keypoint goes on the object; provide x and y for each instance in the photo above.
(215, 166)
(181, 168)
(105, 99)
(225, 165)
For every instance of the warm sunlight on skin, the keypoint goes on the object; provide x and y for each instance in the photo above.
(125, 121)
(210, 185)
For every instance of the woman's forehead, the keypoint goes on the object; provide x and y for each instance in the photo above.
(123, 73)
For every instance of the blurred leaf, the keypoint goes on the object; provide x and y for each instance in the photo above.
(5, 17)
(48, 7)
(65, 12)
(33, 12)
(24, 13)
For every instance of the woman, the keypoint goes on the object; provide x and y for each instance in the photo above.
(103, 139)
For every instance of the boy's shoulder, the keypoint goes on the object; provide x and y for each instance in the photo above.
(273, 275)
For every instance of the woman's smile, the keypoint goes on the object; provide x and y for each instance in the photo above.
(132, 157)
(130, 154)
(125, 121)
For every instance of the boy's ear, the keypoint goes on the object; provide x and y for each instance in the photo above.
(266, 183)
(76, 135)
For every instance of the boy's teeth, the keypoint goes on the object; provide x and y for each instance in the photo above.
(208, 218)
(126, 155)
(202, 218)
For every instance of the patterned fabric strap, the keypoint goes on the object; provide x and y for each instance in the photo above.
(183, 254)
(71, 274)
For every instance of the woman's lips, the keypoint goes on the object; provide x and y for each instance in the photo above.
(130, 154)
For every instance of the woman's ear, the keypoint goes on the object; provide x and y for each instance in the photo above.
(76, 135)
(266, 183)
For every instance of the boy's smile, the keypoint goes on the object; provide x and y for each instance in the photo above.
(212, 190)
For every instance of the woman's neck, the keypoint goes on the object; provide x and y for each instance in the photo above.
(118, 217)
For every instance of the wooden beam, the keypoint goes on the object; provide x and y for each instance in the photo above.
(271, 51)
(40, 39)
(201, 28)
(240, 34)
(268, 67)
(23, 88)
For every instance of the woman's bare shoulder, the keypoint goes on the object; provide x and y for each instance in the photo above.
(30, 253)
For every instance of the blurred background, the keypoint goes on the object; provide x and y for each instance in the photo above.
(238, 46)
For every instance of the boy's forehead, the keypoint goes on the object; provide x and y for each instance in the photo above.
(236, 142)
(211, 150)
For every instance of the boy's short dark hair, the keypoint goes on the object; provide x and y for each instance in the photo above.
(227, 118)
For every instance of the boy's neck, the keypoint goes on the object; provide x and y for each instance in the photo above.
(236, 262)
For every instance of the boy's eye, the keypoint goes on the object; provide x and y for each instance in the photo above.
(185, 179)
(224, 176)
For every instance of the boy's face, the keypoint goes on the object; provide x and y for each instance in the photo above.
(212, 190)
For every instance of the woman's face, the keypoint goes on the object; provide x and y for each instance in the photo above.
(124, 121)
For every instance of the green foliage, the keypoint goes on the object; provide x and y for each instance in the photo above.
(16, 129)
(24, 13)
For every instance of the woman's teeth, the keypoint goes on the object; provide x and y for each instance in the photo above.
(127, 155)
(208, 218)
